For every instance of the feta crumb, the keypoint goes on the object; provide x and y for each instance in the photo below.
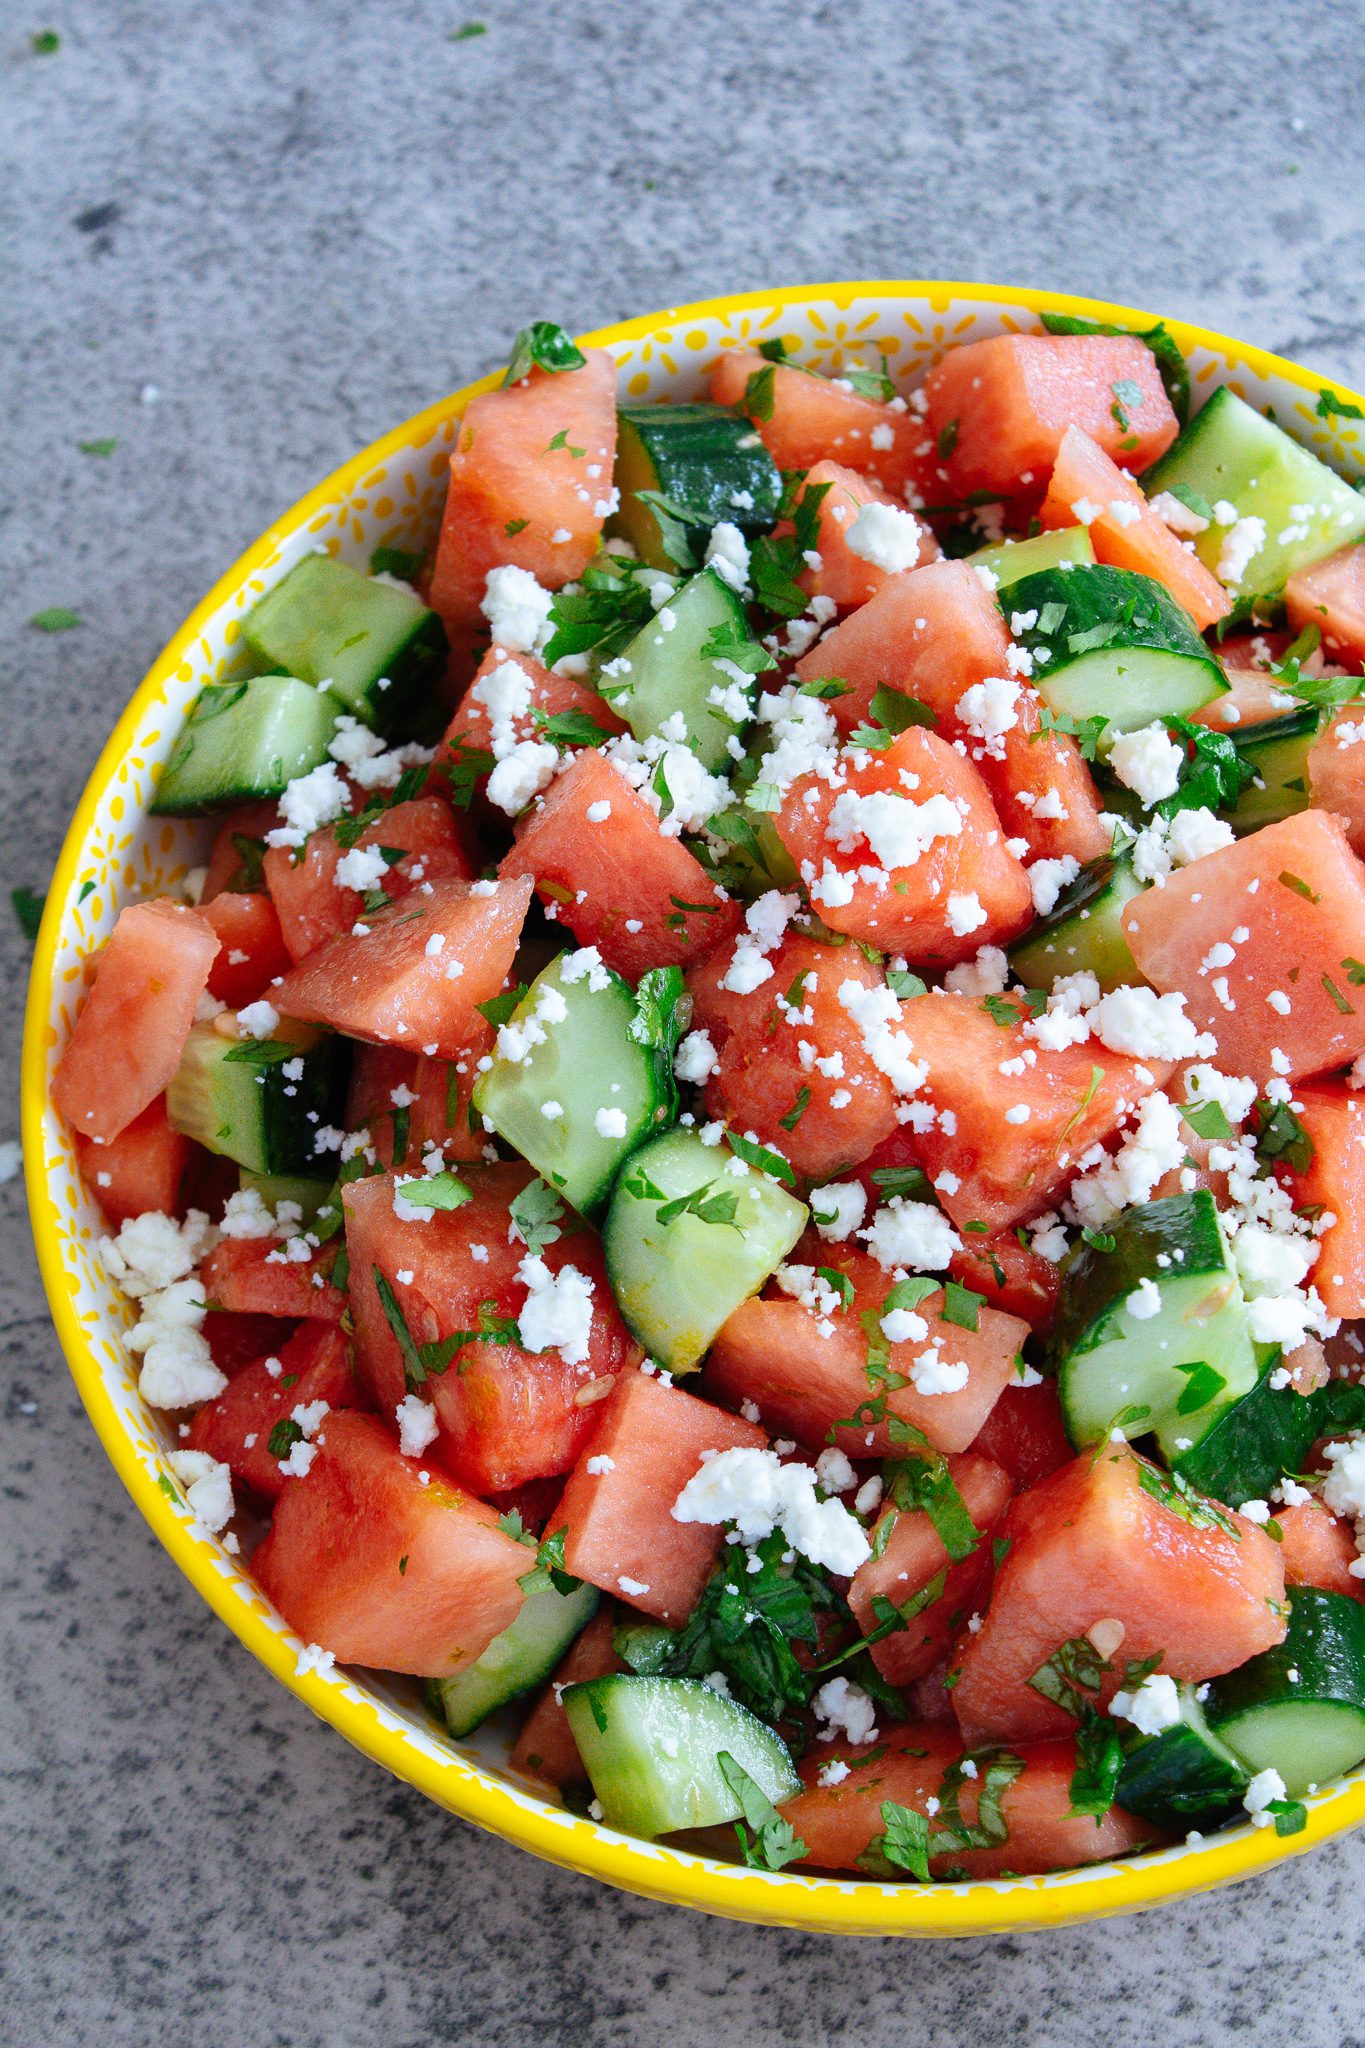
(845, 1706)
(758, 1493)
(1147, 761)
(885, 536)
(837, 1209)
(1153, 1706)
(208, 1488)
(418, 1426)
(1266, 1786)
(517, 610)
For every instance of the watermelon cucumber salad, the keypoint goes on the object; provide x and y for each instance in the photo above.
(751, 1137)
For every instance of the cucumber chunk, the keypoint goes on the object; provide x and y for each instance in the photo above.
(1278, 751)
(651, 1748)
(519, 1658)
(375, 646)
(1230, 454)
(302, 1189)
(1012, 559)
(1172, 1372)
(708, 464)
(1309, 1727)
(677, 1280)
(1111, 642)
(1184, 1777)
(235, 1097)
(1084, 929)
(1268, 1433)
(592, 1050)
(244, 740)
(667, 668)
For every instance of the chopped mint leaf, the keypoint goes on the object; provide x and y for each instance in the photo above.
(536, 1212)
(774, 1843)
(435, 1191)
(904, 985)
(498, 1009)
(28, 908)
(542, 344)
(797, 1111)
(1330, 407)
(759, 1156)
(56, 619)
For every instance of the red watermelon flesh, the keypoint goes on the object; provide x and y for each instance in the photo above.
(376, 1071)
(936, 633)
(1024, 1433)
(913, 1558)
(530, 484)
(250, 1276)
(763, 1071)
(811, 1383)
(1010, 1276)
(1252, 693)
(1124, 531)
(313, 907)
(1000, 408)
(128, 1039)
(252, 951)
(602, 876)
(434, 1093)
(1331, 596)
(368, 1562)
(1298, 892)
(1094, 1543)
(813, 419)
(545, 1748)
(846, 577)
(237, 1341)
(1318, 1549)
(621, 1534)
(907, 1766)
(987, 1169)
(1333, 1115)
(472, 727)
(392, 983)
(143, 1168)
(1336, 773)
(314, 1365)
(226, 863)
(964, 891)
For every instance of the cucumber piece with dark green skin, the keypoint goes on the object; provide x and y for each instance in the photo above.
(1278, 751)
(651, 1747)
(667, 669)
(1012, 559)
(1113, 643)
(1267, 1434)
(584, 1046)
(678, 1272)
(1083, 930)
(525, 1653)
(246, 739)
(235, 1097)
(303, 1189)
(375, 645)
(1231, 453)
(1173, 1372)
(708, 464)
(1184, 1777)
(1299, 1708)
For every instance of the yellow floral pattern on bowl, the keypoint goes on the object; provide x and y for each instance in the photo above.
(391, 496)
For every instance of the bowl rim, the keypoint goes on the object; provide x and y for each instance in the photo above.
(816, 1903)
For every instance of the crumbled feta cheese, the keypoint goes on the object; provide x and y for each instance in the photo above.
(885, 536)
(1144, 1302)
(727, 552)
(1147, 761)
(834, 1471)
(758, 1493)
(517, 610)
(418, 1426)
(1172, 512)
(915, 1235)
(1048, 878)
(696, 1058)
(258, 1019)
(521, 774)
(1145, 1025)
(363, 868)
(987, 975)
(557, 1313)
(1193, 834)
(208, 1487)
(1154, 1705)
(990, 708)
(836, 1770)
(610, 1123)
(965, 913)
(932, 1373)
(309, 802)
(837, 1209)
(845, 1706)
(1266, 1786)
(1242, 544)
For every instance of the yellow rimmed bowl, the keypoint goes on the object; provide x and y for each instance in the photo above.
(391, 495)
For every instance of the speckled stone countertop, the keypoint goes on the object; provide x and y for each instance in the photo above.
(299, 224)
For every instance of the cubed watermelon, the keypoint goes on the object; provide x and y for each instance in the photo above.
(914, 1556)
(313, 1365)
(812, 417)
(255, 1276)
(1336, 773)
(1331, 596)
(545, 1748)
(1010, 1276)
(238, 845)
(845, 576)
(314, 907)
(369, 1562)
(252, 948)
(1333, 1115)
(1024, 1432)
(1318, 1548)
(144, 1167)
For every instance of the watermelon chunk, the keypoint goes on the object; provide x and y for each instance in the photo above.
(936, 633)
(812, 418)
(436, 1094)
(1334, 1118)
(471, 728)
(1336, 773)
(621, 1534)
(1298, 892)
(370, 1563)
(847, 578)
(912, 1560)
(239, 833)
(1252, 693)
(763, 1073)
(313, 907)
(545, 1748)
(393, 984)
(813, 1384)
(249, 1276)
(840, 1822)
(237, 1341)
(1331, 596)
(937, 903)
(1109, 1538)
(1024, 1432)
(989, 1169)
(143, 1168)
(507, 1415)
(614, 879)
(313, 1365)
(1124, 531)
(1010, 1276)
(1318, 1549)
(251, 947)
(531, 468)
(128, 1039)
(998, 409)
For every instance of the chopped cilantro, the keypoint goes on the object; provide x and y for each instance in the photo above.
(106, 447)
(1281, 1137)
(1208, 1119)
(961, 1306)
(436, 1191)
(946, 440)
(1344, 1008)
(760, 1157)
(542, 343)
(796, 1112)
(397, 562)
(1330, 407)
(904, 985)
(283, 1437)
(570, 729)
(549, 1573)
(771, 1842)
(536, 1212)
(906, 1840)
(499, 1009)
(1299, 886)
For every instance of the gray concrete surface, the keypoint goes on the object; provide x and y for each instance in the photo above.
(301, 222)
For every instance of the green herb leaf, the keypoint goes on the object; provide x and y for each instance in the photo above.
(549, 1574)
(926, 1485)
(1299, 886)
(399, 562)
(1099, 1760)
(1208, 1119)
(1355, 971)
(730, 642)
(1291, 1815)
(283, 1437)
(56, 619)
(904, 985)
(464, 35)
(774, 1843)
(758, 399)
(542, 343)
(946, 440)
(1281, 1137)
(825, 687)
(1097, 1239)
(1330, 407)
(906, 1840)
(570, 729)
(1213, 773)
(797, 1111)
(1344, 1008)
(436, 1191)
(97, 447)
(28, 908)
(760, 1157)
(536, 1212)
(499, 1009)
(961, 1306)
